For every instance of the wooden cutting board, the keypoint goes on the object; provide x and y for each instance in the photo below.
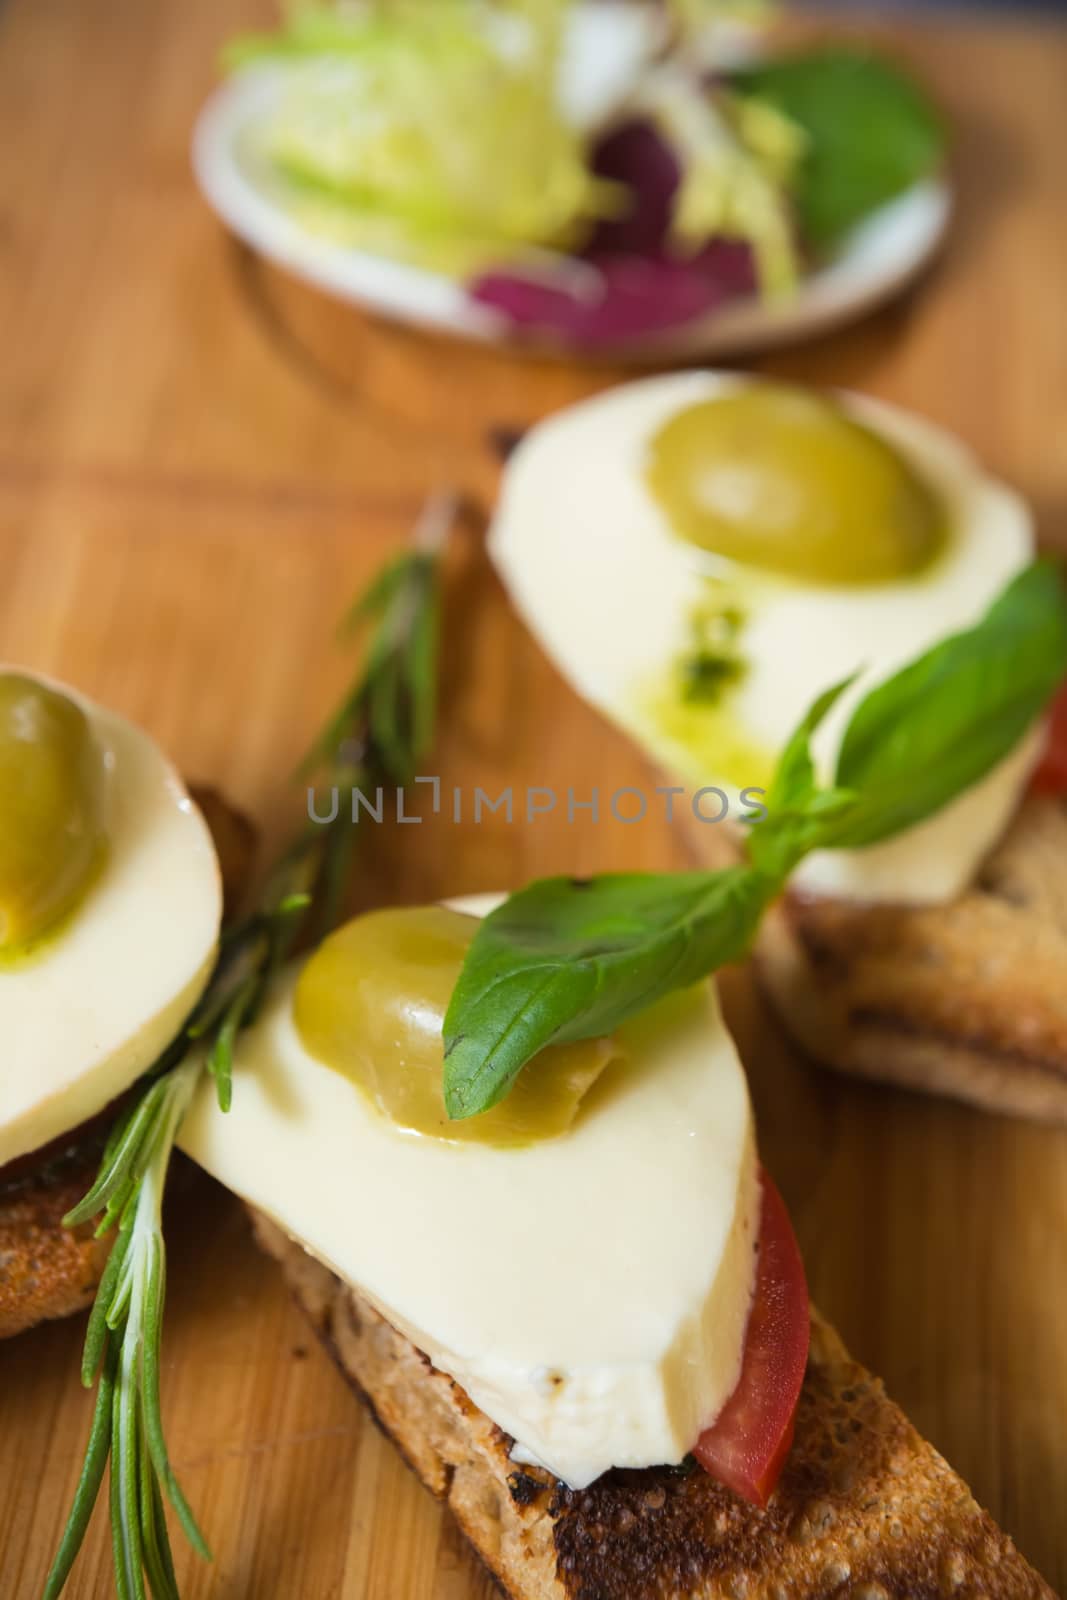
(199, 461)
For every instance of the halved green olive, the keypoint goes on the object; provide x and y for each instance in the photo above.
(51, 828)
(785, 480)
(371, 1003)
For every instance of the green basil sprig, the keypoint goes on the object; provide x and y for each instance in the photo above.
(566, 959)
(937, 726)
(569, 959)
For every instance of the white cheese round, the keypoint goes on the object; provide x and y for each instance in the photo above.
(609, 590)
(589, 1292)
(90, 1011)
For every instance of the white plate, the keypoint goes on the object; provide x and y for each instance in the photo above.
(877, 260)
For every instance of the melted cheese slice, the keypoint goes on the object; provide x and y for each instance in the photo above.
(590, 1292)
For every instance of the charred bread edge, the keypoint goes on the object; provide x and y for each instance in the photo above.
(884, 1046)
(866, 1509)
(987, 1043)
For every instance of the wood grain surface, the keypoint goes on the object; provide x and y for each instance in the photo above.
(199, 460)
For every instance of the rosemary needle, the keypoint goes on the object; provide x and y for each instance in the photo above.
(382, 727)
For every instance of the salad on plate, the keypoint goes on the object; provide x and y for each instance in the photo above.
(588, 172)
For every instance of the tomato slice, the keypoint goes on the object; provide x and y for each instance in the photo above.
(746, 1446)
(1050, 776)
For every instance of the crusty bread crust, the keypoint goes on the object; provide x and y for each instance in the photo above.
(47, 1270)
(865, 1508)
(967, 1000)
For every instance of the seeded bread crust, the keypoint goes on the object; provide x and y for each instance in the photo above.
(865, 1510)
(967, 1000)
(47, 1270)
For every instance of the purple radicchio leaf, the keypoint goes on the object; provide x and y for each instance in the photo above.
(628, 283)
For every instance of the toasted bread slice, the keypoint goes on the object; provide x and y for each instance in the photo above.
(47, 1270)
(865, 1507)
(967, 999)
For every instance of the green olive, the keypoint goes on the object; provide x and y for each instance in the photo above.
(51, 833)
(783, 479)
(371, 1003)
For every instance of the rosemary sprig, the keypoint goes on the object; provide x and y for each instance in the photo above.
(382, 727)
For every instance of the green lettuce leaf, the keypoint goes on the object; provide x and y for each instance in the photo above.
(429, 131)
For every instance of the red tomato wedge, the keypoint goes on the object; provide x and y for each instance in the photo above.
(1050, 776)
(746, 1446)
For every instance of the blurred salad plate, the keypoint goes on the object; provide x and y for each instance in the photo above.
(586, 175)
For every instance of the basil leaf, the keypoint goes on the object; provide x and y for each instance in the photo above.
(871, 134)
(933, 729)
(566, 959)
(797, 812)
